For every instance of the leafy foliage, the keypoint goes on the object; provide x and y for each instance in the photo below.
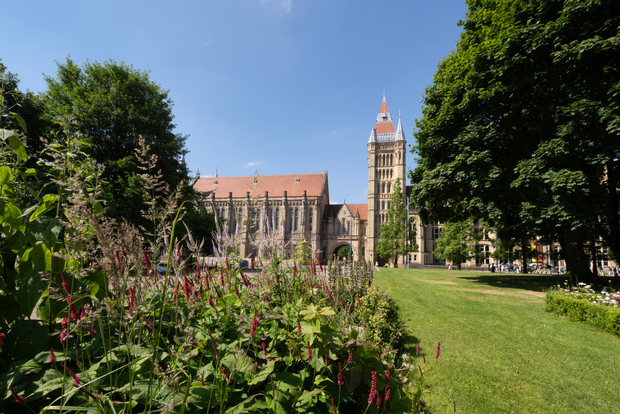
(578, 309)
(393, 238)
(457, 242)
(88, 322)
(114, 106)
(380, 313)
(520, 126)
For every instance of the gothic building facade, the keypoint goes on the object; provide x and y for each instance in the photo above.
(288, 211)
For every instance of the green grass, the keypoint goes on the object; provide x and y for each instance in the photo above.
(500, 351)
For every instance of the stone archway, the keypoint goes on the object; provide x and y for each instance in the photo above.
(341, 251)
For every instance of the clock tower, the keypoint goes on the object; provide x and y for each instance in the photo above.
(386, 163)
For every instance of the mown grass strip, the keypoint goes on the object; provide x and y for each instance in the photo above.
(501, 353)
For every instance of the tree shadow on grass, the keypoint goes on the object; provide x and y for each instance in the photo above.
(408, 343)
(533, 282)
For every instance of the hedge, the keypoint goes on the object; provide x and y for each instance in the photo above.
(600, 316)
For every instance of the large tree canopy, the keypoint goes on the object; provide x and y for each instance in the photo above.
(113, 105)
(521, 126)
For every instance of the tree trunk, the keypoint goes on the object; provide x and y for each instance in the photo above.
(577, 260)
(525, 247)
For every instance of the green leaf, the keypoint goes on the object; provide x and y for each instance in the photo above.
(21, 121)
(44, 231)
(263, 374)
(49, 202)
(30, 288)
(18, 147)
(5, 174)
(6, 133)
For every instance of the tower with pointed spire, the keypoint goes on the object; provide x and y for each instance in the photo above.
(386, 163)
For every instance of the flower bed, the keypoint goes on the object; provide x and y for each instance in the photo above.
(584, 304)
(274, 341)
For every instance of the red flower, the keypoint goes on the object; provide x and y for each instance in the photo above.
(417, 349)
(18, 398)
(373, 388)
(298, 327)
(438, 350)
(340, 376)
(132, 298)
(264, 348)
(147, 261)
(52, 356)
(350, 359)
(76, 379)
(1, 340)
(228, 379)
(254, 325)
(309, 352)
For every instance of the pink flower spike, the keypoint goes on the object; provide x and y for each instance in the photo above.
(309, 352)
(132, 298)
(350, 359)
(340, 376)
(298, 327)
(417, 349)
(264, 348)
(438, 350)
(1, 340)
(18, 398)
(52, 355)
(373, 388)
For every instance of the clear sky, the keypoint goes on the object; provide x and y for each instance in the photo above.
(278, 86)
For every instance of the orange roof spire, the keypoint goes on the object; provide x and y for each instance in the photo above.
(384, 119)
(384, 108)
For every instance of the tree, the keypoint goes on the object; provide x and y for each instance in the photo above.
(521, 125)
(21, 111)
(112, 105)
(457, 242)
(393, 237)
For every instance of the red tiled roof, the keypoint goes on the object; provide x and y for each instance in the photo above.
(383, 127)
(384, 108)
(293, 184)
(362, 209)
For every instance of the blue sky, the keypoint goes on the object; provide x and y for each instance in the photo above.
(278, 86)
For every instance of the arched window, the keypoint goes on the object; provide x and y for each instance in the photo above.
(291, 219)
(276, 221)
(383, 188)
(310, 214)
(383, 205)
(388, 187)
(296, 218)
(338, 232)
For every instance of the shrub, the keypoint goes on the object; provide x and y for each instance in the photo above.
(562, 303)
(379, 313)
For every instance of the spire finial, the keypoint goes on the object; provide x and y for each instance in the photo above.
(216, 172)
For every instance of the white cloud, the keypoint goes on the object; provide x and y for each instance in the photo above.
(252, 164)
(284, 4)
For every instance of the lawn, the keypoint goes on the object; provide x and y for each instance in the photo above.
(500, 351)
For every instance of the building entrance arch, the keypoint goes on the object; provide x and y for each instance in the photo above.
(341, 251)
